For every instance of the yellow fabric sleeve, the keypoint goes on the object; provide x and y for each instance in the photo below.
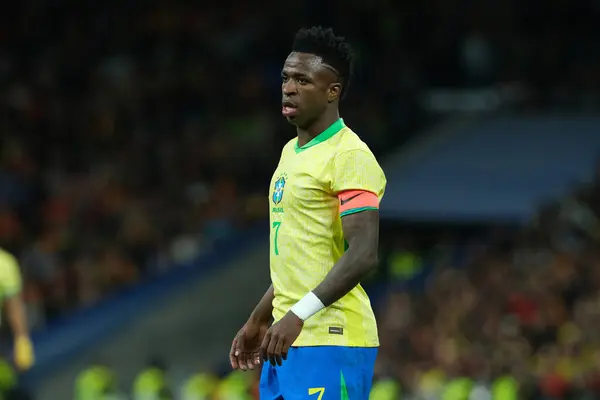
(357, 170)
(10, 276)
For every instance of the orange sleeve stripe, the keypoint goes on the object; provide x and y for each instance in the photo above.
(352, 201)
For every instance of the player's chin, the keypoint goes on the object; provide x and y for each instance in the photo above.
(292, 119)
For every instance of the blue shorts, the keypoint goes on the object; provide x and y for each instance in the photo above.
(320, 373)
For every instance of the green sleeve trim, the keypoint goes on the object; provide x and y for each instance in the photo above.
(357, 210)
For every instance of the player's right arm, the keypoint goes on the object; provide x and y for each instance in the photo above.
(245, 348)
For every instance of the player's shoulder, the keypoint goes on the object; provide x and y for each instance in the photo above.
(288, 149)
(348, 141)
(290, 145)
(6, 258)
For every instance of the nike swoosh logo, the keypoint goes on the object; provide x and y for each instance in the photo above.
(342, 202)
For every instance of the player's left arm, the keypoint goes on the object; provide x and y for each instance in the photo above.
(359, 183)
(361, 231)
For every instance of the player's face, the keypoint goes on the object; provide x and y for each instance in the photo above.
(308, 87)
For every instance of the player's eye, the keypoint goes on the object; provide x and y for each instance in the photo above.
(302, 81)
(284, 78)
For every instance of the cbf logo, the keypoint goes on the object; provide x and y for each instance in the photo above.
(278, 188)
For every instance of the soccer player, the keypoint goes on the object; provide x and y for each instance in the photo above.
(324, 201)
(10, 293)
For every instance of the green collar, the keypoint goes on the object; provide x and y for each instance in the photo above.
(323, 136)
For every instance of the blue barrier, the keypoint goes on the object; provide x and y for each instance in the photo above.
(65, 338)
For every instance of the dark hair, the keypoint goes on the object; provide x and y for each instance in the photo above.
(334, 50)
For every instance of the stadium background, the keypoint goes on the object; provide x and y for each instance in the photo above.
(137, 139)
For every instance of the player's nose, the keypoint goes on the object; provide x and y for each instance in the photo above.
(288, 88)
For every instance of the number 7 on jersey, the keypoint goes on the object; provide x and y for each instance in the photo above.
(276, 226)
(320, 391)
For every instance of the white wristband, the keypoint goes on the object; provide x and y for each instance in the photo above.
(308, 306)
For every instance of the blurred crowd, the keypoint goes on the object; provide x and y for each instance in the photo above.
(136, 136)
(469, 313)
(523, 304)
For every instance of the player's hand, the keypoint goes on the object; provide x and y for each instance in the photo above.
(280, 337)
(24, 357)
(245, 349)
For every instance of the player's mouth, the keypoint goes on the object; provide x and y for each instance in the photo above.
(288, 109)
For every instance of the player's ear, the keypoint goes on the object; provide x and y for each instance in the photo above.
(335, 89)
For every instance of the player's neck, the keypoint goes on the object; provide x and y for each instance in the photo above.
(305, 135)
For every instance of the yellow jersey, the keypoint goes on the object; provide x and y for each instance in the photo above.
(306, 232)
(10, 276)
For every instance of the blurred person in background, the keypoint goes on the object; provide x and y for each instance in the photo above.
(324, 239)
(10, 292)
(96, 382)
(200, 386)
(237, 385)
(152, 383)
(385, 389)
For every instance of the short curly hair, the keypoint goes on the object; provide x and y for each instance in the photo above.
(334, 50)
